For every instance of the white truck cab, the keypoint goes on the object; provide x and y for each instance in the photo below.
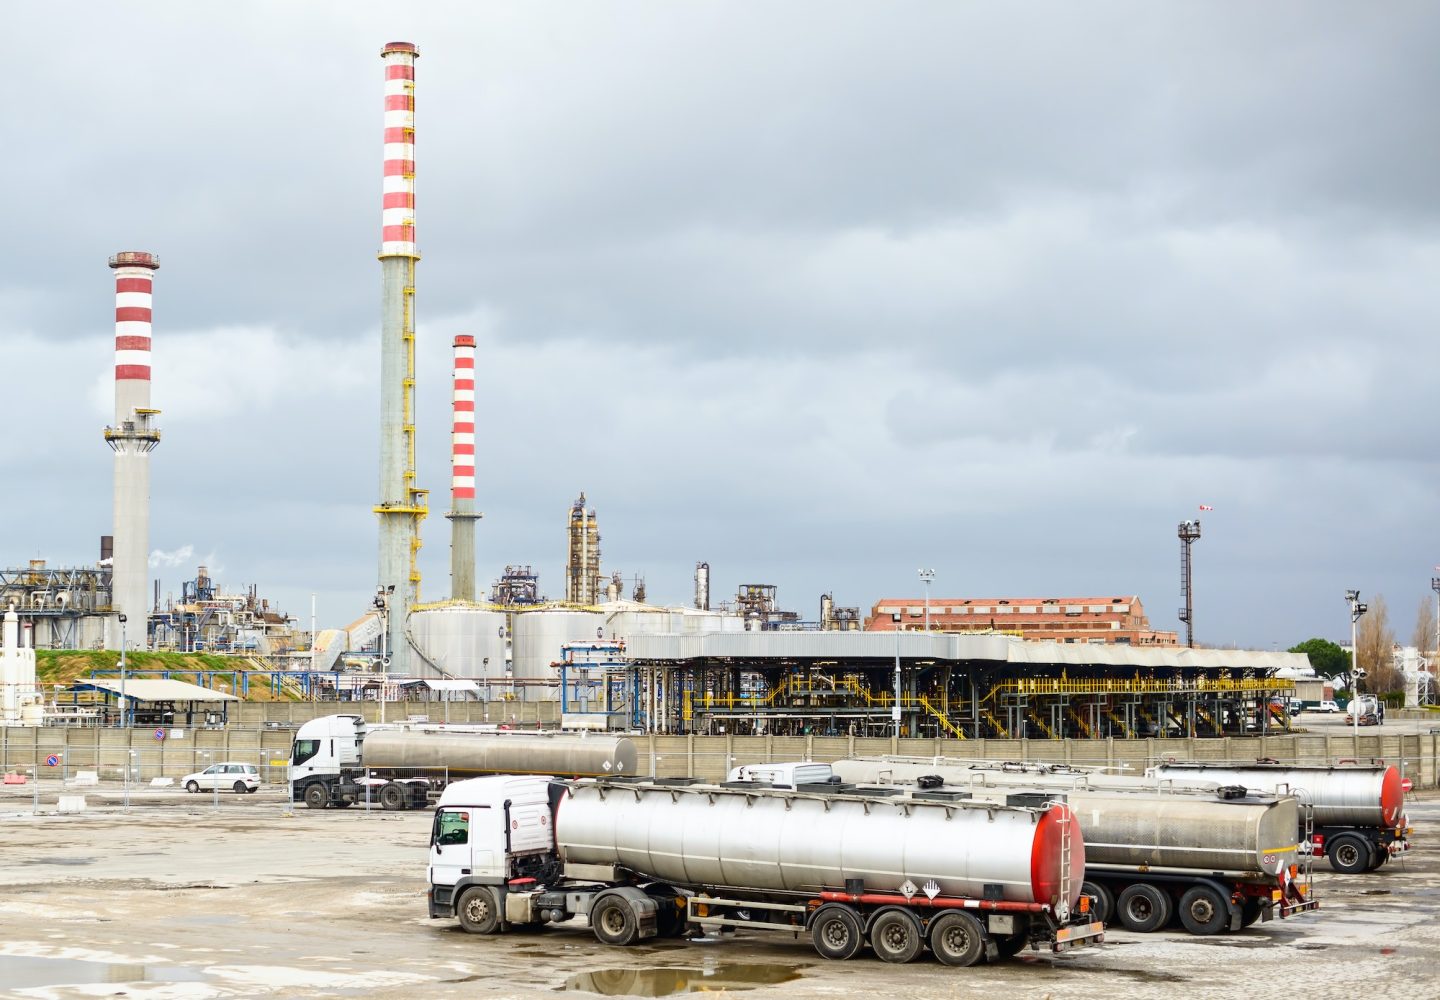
(488, 832)
(788, 775)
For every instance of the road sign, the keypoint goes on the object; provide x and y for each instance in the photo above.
(160, 735)
(1405, 785)
(52, 761)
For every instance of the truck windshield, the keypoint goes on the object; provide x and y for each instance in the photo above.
(452, 826)
(304, 750)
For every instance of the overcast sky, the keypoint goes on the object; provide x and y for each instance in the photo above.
(818, 292)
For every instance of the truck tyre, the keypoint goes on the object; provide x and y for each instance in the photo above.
(896, 936)
(316, 797)
(477, 911)
(669, 911)
(1204, 911)
(1348, 854)
(835, 932)
(1143, 908)
(1102, 901)
(392, 797)
(614, 922)
(1378, 857)
(1250, 910)
(957, 938)
(1012, 944)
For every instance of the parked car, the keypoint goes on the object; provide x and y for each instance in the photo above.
(228, 774)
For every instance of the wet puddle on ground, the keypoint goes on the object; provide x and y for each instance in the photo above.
(18, 972)
(666, 982)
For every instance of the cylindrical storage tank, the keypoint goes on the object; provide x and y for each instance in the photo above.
(906, 770)
(780, 842)
(1341, 796)
(1129, 825)
(538, 640)
(464, 642)
(468, 754)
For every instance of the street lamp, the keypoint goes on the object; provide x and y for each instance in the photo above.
(926, 575)
(895, 710)
(1356, 610)
(382, 605)
(122, 670)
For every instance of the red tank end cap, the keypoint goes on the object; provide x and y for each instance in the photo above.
(400, 47)
(464, 340)
(135, 258)
(1046, 853)
(1392, 797)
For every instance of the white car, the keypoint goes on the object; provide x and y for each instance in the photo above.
(240, 777)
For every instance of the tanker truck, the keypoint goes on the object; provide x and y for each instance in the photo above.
(337, 760)
(1359, 820)
(659, 857)
(1218, 858)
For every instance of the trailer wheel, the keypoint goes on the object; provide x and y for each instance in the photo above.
(896, 936)
(614, 922)
(1143, 908)
(835, 932)
(957, 938)
(1102, 901)
(315, 796)
(1378, 857)
(392, 797)
(1204, 911)
(1349, 854)
(477, 911)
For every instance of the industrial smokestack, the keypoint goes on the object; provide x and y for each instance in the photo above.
(582, 559)
(402, 504)
(132, 437)
(462, 474)
(702, 586)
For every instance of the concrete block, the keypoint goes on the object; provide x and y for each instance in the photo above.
(161, 782)
(13, 779)
(86, 779)
(72, 803)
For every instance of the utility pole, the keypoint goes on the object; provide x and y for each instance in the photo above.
(1189, 531)
(1356, 610)
(926, 575)
(895, 711)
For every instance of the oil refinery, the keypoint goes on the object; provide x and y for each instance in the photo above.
(959, 668)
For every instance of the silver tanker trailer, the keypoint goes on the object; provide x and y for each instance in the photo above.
(657, 857)
(337, 760)
(1218, 858)
(1359, 811)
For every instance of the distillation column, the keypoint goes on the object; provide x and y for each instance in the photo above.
(462, 513)
(132, 437)
(582, 559)
(402, 504)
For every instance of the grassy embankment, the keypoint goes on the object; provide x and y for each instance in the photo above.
(65, 666)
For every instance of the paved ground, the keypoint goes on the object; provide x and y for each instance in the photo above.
(175, 900)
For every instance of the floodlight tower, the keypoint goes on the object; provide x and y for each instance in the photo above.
(1189, 531)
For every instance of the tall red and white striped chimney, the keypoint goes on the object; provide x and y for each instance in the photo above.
(132, 437)
(402, 503)
(462, 513)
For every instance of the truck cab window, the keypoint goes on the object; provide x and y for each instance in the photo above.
(452, 826)
(304, 750)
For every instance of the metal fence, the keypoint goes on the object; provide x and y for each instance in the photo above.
(266, 743)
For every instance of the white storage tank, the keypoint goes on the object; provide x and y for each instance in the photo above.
(464, 642)
(539, 637)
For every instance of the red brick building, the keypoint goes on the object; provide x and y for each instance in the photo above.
(1119, 620)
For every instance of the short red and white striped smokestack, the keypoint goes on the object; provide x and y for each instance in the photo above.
(397, 217)
(462, 433)
(462, 514)
(134, 284)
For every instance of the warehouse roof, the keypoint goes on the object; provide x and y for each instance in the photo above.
(758, 647)
(148, 689)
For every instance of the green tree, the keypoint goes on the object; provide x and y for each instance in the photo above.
(1328, 659)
